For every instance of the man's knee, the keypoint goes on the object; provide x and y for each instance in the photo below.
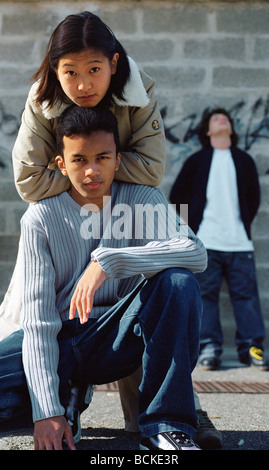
(179, 278)
(12, 344)
(182, 287)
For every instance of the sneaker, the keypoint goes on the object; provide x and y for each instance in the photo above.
(173, 440)
(209, 363)
(207, 436)
(80, 398)
(255, 358)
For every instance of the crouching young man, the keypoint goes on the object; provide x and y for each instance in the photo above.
(104, 291)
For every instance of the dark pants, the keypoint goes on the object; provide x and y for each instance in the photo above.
(238, 269)
(156, 325)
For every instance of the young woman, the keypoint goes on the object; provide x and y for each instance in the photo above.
(84, 64)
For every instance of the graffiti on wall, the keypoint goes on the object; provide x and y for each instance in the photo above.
(251, 124)
(9, 125)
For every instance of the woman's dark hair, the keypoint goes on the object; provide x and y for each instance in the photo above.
(204, 127)
(77, 120)
(75, 34)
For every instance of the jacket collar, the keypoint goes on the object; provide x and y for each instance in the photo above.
(134, 94)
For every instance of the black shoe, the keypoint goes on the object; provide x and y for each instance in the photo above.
(207, 436)
(80, 398)
(209, 363)
(172, 440)
(255, 358)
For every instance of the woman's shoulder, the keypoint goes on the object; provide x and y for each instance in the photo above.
(147, 80)
(31, 98)
(44, 109)
(136, 89)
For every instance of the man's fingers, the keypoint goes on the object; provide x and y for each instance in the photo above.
(82, 299)
(82, 302)
(47, 444)
(85, 302)
(49, 434)
(69, 438)
(73, 307)
(36, 444)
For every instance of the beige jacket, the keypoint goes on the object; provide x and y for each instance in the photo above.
(142, 141)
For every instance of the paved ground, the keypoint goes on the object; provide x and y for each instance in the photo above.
(243, 418)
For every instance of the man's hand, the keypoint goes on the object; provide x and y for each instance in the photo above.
(82, 299)
(49, 434)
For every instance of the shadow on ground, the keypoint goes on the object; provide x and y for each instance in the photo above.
(108, 439)
(116, 439)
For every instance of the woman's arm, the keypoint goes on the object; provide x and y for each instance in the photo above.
(35, 148)
(143, 162)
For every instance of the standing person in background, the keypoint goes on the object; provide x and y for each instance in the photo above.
(220, 184)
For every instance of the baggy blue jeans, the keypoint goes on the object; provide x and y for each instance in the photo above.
(238, 269)
(156, 325)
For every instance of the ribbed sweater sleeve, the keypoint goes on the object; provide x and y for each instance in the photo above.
(151, 258)
(164, 241)
(41, 323)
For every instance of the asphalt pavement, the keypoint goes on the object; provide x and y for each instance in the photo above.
(241, 415)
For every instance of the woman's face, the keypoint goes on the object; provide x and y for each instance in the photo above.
(85, 76)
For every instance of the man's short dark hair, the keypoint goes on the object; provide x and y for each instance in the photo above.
(204, 127)
(77, 120)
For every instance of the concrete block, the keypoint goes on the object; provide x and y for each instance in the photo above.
(261, 246)
(8, 191)
(227, 48)
(177, 78)
(17, 215)
(18, 51)
(243, 18)
(9, 247)
(13, 77)
(264, 181)
(262, 163)
(149, 50)
(13, 106)
(6, 271)
(121, 20)
(247, 77)
(175, 19)
(261, 49)
(264, 298)
(28, 22)
(5, 159)
(3, 220)
(195, 104)
(263, 278)
(259, 227)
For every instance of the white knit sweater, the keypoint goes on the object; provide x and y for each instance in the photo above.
(60, 238)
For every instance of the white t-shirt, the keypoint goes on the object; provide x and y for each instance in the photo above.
(222, 228)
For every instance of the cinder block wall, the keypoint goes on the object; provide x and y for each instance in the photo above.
(202, 54)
